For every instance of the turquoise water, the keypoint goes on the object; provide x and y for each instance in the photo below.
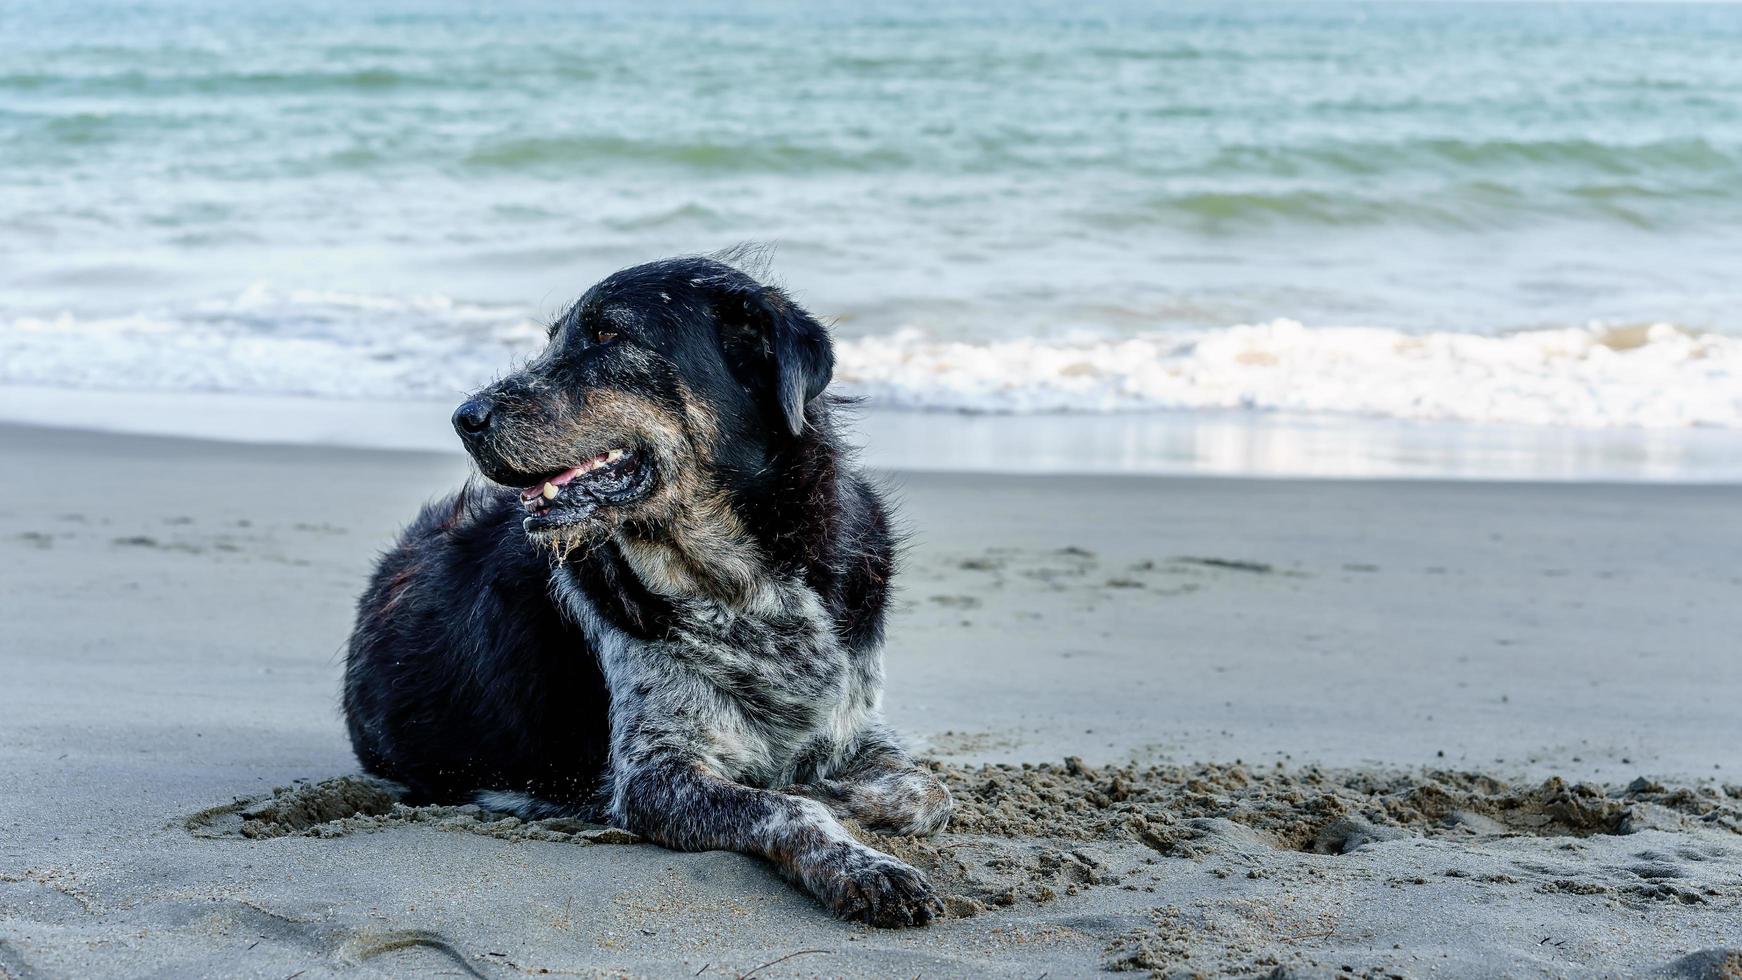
(267, 190)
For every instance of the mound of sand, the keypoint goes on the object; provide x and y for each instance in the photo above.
(1028, 833)
(358, 804)
(1321, 811)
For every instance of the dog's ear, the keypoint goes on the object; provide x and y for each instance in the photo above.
(771, 341)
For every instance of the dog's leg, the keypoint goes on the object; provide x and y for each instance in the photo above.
(883, 789)
(680, 804)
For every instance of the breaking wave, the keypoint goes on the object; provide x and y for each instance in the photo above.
(1654, 375)
(332, 344)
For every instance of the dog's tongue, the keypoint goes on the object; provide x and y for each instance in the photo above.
(558, 480)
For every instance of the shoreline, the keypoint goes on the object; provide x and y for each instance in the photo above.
(1258, 659)
(1256, 445)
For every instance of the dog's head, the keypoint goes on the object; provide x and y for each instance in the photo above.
(665, 382)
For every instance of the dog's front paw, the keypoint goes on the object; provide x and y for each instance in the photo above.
(864, 885)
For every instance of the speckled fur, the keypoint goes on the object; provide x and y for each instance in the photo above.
(701, 664)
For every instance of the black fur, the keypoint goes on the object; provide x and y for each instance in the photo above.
(683, 639)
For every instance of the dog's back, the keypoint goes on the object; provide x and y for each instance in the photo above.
(463, 674)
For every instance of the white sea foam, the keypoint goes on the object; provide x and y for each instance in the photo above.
(1596, 376)
(300, 342)
(328, 344)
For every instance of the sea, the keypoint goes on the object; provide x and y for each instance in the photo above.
(1269, 238)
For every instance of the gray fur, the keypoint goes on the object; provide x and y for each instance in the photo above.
(753, 728)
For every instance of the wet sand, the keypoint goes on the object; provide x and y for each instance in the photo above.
(1195, 727)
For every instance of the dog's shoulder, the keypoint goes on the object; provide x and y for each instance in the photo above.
(472, 534)
(863, 560)
(823, 519)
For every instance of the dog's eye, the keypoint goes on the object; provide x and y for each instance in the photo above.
(603, 336)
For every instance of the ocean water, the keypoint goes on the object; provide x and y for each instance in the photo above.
(1516, 213)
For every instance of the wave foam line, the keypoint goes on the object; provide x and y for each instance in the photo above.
(1655, 375)
(264, 341)
(328, 344)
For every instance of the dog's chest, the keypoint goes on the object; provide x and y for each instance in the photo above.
(767, 695)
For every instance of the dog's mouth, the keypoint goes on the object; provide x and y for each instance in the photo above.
(612, 478)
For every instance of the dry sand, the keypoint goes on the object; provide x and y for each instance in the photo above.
(1423, 729)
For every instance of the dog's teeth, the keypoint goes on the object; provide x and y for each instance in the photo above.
(550, 491)
(614, 455)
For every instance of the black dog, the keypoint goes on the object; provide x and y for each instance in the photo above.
(665, 609)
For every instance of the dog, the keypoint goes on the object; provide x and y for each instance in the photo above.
(662, 606)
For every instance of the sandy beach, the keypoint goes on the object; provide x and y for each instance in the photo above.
(1196, 727)
(1316, 427)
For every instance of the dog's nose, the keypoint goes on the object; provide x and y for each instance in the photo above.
(472, 417)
